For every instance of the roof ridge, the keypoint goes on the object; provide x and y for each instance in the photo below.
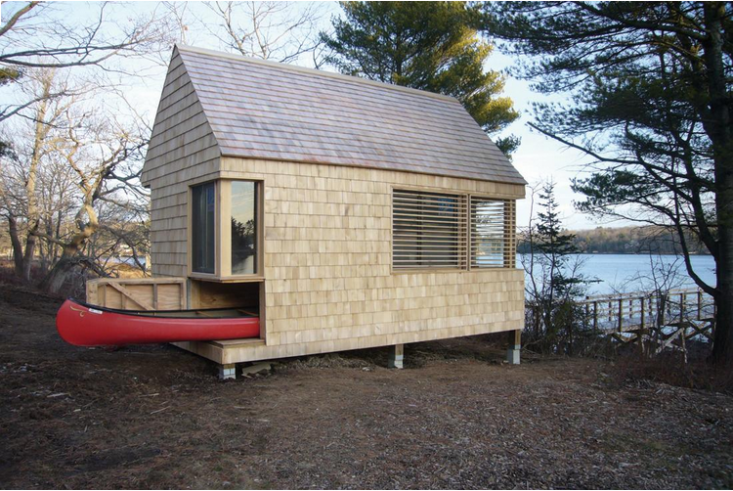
(312, 71)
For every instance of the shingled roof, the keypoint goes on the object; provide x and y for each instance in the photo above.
(266, 110)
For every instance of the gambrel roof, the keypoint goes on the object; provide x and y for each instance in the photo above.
(265, 110)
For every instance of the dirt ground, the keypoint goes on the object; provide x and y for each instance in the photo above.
(455, 417)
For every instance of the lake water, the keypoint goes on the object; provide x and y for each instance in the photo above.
(635, 272)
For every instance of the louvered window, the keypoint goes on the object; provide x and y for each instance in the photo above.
(428, 230)
(492, 238)
(446, 231)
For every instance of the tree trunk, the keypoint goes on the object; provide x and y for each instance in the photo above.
(17, 246)
(55, 279)
(719, 129)
(723, 341)
(30, 250)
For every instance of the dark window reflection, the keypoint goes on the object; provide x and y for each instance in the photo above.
(244, 227)
(203, 225)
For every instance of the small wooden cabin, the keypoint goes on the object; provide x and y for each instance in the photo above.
(353, 213)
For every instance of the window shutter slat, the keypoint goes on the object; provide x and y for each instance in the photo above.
(428, 230)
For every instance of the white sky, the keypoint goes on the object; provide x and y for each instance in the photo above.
(538, 158)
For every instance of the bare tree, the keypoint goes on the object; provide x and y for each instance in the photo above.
(278, 31)
(98, 151)
(71, 159)
(41, 35)
(176, 17)
(19, 200)
(55, 189)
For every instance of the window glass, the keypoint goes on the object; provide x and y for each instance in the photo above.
(203, 228)
(244, 227)
(488, 233)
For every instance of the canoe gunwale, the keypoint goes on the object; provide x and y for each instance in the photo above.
(154, 313)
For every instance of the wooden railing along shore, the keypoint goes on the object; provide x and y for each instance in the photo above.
(654, 320)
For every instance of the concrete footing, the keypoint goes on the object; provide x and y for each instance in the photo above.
(228, 371)
(515, 346)
(396, 356)
(512, 356)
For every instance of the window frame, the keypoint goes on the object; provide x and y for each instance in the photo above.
(509, 236)
(466, 261)
(222, 239)
(193, 204)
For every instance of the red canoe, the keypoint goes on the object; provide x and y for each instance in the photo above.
(90, 325)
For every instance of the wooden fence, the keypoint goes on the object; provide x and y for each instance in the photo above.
(656, 320)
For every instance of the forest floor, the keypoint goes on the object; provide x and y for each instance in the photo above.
(455, 417)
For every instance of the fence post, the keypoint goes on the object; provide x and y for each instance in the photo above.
(652, 300)
(643, 312)
(595, 317)
(683, 306)
(699, 304)
(662, 306)
(620, 315)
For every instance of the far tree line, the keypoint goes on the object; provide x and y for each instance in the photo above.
(624, 240)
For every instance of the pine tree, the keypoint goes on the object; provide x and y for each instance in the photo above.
(557, 284)
(555, 245)
(424, 45)
(652, 105)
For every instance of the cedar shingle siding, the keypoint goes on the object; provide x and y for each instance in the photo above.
(330, 154)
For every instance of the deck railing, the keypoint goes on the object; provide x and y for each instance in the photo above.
(626, 311)
(656, 320)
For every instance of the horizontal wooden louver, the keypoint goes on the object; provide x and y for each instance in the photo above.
(491, 233)
(428, 230)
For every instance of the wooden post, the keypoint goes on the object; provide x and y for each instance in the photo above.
(595, 317)
(662, 308)
(515, 345)
(683, 306)
(651, 306)
(683, 343)
(396, 356)
(643, 312)
(699, 304)
(620, 315)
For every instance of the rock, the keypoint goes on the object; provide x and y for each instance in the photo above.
(256, 368)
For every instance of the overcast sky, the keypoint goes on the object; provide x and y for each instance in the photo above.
(538, 158)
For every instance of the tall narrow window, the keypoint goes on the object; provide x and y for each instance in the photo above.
(428, 230)
(244, 227)
(203, 224)
(491, 232)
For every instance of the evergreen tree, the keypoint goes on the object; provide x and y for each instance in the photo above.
(424, 45)
(555, 245)
(554, 278)
(652, 105)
